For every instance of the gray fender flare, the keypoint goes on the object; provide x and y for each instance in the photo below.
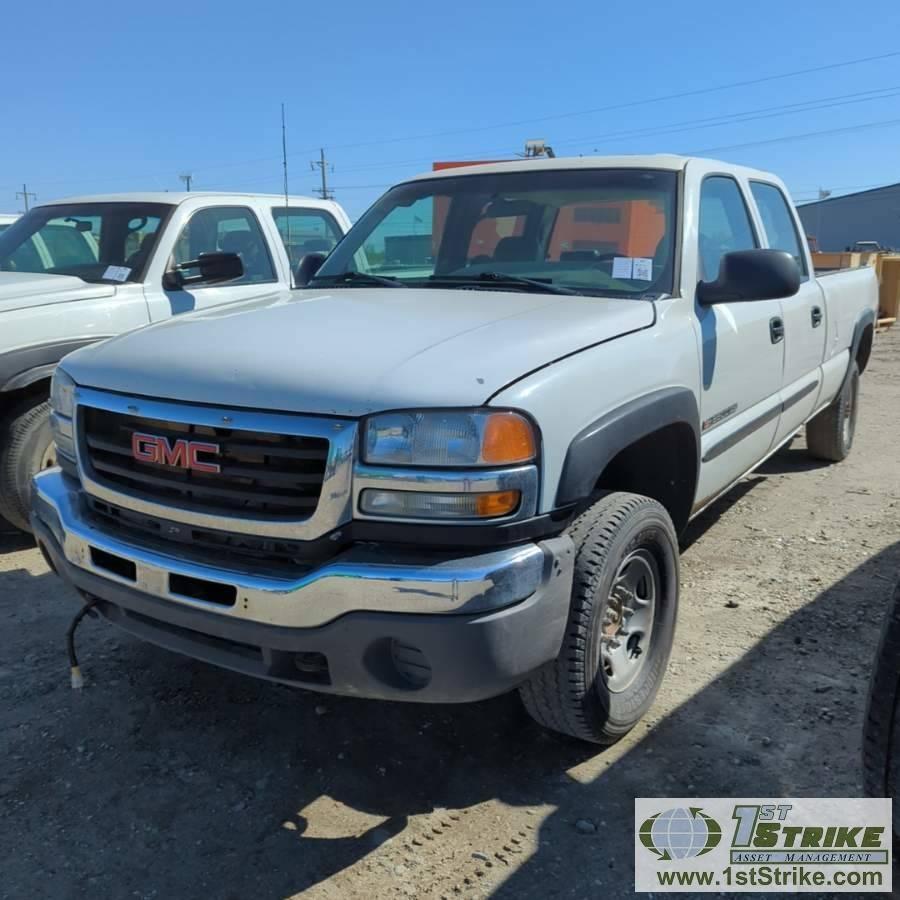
(866, 320)
(28, 365)
(595, 446)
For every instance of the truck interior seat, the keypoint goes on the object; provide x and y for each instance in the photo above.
(514, 249)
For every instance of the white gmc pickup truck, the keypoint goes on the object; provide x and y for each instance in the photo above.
(76, 271)
(458, 461)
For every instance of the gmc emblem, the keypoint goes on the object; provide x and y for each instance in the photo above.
(182, 454)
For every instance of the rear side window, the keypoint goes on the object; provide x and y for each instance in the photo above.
(305, 231)
(778, 221)
(724, 224)
(232, 229)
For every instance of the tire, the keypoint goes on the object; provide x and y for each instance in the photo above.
(830, 434)
(26, 447)
(881, 736)
(581, 693)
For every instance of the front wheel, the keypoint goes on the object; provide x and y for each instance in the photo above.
(26, 448)
(621, 622)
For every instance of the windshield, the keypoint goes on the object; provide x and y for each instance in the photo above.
(592, 231)
(97, 242)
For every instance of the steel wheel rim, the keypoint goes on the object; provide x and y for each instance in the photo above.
(627, 626)
(849, 414)
(48, 457)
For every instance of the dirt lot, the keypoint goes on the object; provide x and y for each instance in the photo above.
(167, 778)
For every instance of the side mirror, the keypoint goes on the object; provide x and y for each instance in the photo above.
(207, 268)
(309, 264)
(752, 275)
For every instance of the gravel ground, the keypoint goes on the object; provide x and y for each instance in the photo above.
(168, 778)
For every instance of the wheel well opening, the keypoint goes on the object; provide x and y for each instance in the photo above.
(864, 350)
(662, 465)
(10, 399)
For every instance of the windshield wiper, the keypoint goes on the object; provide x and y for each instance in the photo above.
(502, 279)
(351, 277)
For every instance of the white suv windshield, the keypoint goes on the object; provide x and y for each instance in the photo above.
(587, 231)
(97, 242)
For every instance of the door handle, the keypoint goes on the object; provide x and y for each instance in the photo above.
(816, 316)
(776, 329)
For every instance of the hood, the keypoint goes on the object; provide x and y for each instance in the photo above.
(353, 351)
(19, 290)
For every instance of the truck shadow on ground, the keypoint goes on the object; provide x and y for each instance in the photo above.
(13, 540)
(167, 778)
(789, 460)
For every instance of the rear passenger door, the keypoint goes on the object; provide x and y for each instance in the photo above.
(741, 352)
(233, 229)
(804, 313)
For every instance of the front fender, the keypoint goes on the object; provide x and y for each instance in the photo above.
(592, 449)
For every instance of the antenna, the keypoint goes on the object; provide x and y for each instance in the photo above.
(287, 216)
(284, 155)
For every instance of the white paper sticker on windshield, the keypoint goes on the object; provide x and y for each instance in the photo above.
(621, 267)
(117, 273)
(643, 269)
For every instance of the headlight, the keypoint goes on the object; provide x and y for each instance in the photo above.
(62, 394)
(459, 438)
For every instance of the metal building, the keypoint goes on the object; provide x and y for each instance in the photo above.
(839, 222)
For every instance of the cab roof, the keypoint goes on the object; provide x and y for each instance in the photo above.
(176, 197)
(665, 161)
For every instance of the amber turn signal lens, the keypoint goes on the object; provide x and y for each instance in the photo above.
(507, 438)
(497, 503)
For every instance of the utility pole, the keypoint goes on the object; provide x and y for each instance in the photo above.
(25, 194)
(187, 178)
(322, 165)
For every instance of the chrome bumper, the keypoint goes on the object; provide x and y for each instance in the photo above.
(359, 579)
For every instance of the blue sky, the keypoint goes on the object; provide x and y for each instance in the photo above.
(114, 97)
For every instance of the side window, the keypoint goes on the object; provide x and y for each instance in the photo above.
(233, 229)
(305, 231)
(778, 221)
(724, 224)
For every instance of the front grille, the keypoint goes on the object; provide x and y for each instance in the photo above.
(214, 548)
(272, 475)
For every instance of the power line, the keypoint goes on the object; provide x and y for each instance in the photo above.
(688, 124)
(573, 114)
(626, 105)
(885, 123)
(696, 92)
(770, 112)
